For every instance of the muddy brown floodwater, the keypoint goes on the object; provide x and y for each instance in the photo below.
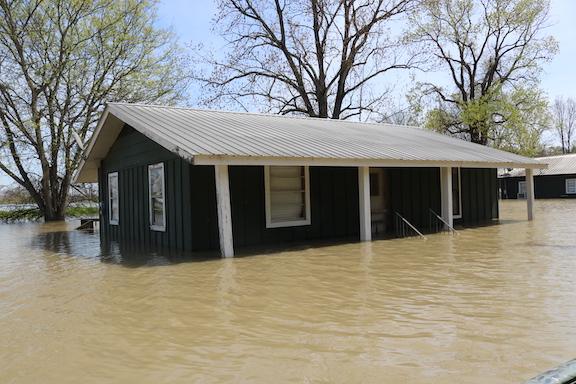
(496, 304)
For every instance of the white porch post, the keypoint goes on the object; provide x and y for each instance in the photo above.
(364, 194)
(530, 193)
(446, 194)
(224, 211)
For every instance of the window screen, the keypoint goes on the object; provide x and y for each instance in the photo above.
(287, 196)
(113, 199)
(157, 203)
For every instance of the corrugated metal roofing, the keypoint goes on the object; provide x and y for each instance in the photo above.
(557, 165)
(194, 133)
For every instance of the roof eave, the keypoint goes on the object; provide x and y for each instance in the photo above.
(349, 162)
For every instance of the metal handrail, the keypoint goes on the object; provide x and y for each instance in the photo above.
(451, 228)
(410, 225)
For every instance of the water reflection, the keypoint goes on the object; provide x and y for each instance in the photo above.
(86, 244)
(495, 304)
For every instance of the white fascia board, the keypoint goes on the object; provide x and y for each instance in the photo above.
(241, 160)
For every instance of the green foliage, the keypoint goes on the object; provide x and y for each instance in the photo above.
(83, 212)
(34, 214)
(525, 117)
(60, 62)
(492, 52)
(24, 214)
(513, 121)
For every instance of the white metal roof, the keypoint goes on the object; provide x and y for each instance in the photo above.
(557, 165)
(216, 137)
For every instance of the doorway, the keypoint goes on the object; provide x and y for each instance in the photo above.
(379, 200)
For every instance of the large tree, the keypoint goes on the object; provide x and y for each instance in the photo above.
(492, 52)
(314, 57)
(564, 114)
(60, 60)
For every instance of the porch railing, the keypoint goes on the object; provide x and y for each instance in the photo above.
(437, 223)
(404, 228)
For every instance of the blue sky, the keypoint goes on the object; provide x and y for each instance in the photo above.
(191, 21)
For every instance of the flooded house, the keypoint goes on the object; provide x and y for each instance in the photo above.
(556, 181)
(199, 180)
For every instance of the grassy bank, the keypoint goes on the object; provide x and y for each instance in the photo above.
(33, 214)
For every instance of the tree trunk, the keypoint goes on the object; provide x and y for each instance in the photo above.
(477, 134)
(56, 211)
(53, 217)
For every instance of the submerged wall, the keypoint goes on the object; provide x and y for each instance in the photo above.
(416, 190)
(479, 196)
(191, 222)
(333, 204)
(545, 187)
(190, 197)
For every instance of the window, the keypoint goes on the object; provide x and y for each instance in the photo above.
(156, 197)
(113, 200)
(521, 189)
(571, 186)
(287, 196)
(456, 194)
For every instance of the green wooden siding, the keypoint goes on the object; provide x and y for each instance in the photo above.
(413, 192)
(545, 187)
(191, 222)
(333, 203)
(479, 195)
(190, 195)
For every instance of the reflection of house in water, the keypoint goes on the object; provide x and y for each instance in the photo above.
(81, 244)
(205, 180)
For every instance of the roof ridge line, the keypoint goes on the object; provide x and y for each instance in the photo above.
(556, 156)
(265, 114)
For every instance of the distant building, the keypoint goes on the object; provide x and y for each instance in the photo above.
(556, 181)
(207, 180)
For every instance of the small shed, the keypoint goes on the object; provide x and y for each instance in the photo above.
(210, 180)
(556, 181)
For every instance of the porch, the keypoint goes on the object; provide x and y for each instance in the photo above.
(371, 198)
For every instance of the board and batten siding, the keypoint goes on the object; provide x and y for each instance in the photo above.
(190, 200)
(479, 195)
(333, 203)
(191, 218)
(413, 192)
(545, 186)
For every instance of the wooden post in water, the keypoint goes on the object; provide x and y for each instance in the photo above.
(530, 193)
(224, 210)
(446, 195)
(364, 206)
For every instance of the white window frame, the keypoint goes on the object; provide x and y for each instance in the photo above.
(111, 176)
(519, 194)
(459, 196)
(568, 181)
(292, 223)
(161, 228)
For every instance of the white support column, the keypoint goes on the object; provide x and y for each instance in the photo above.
(364, 194)
(446, 195)
(530, 193)
(224, 210)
